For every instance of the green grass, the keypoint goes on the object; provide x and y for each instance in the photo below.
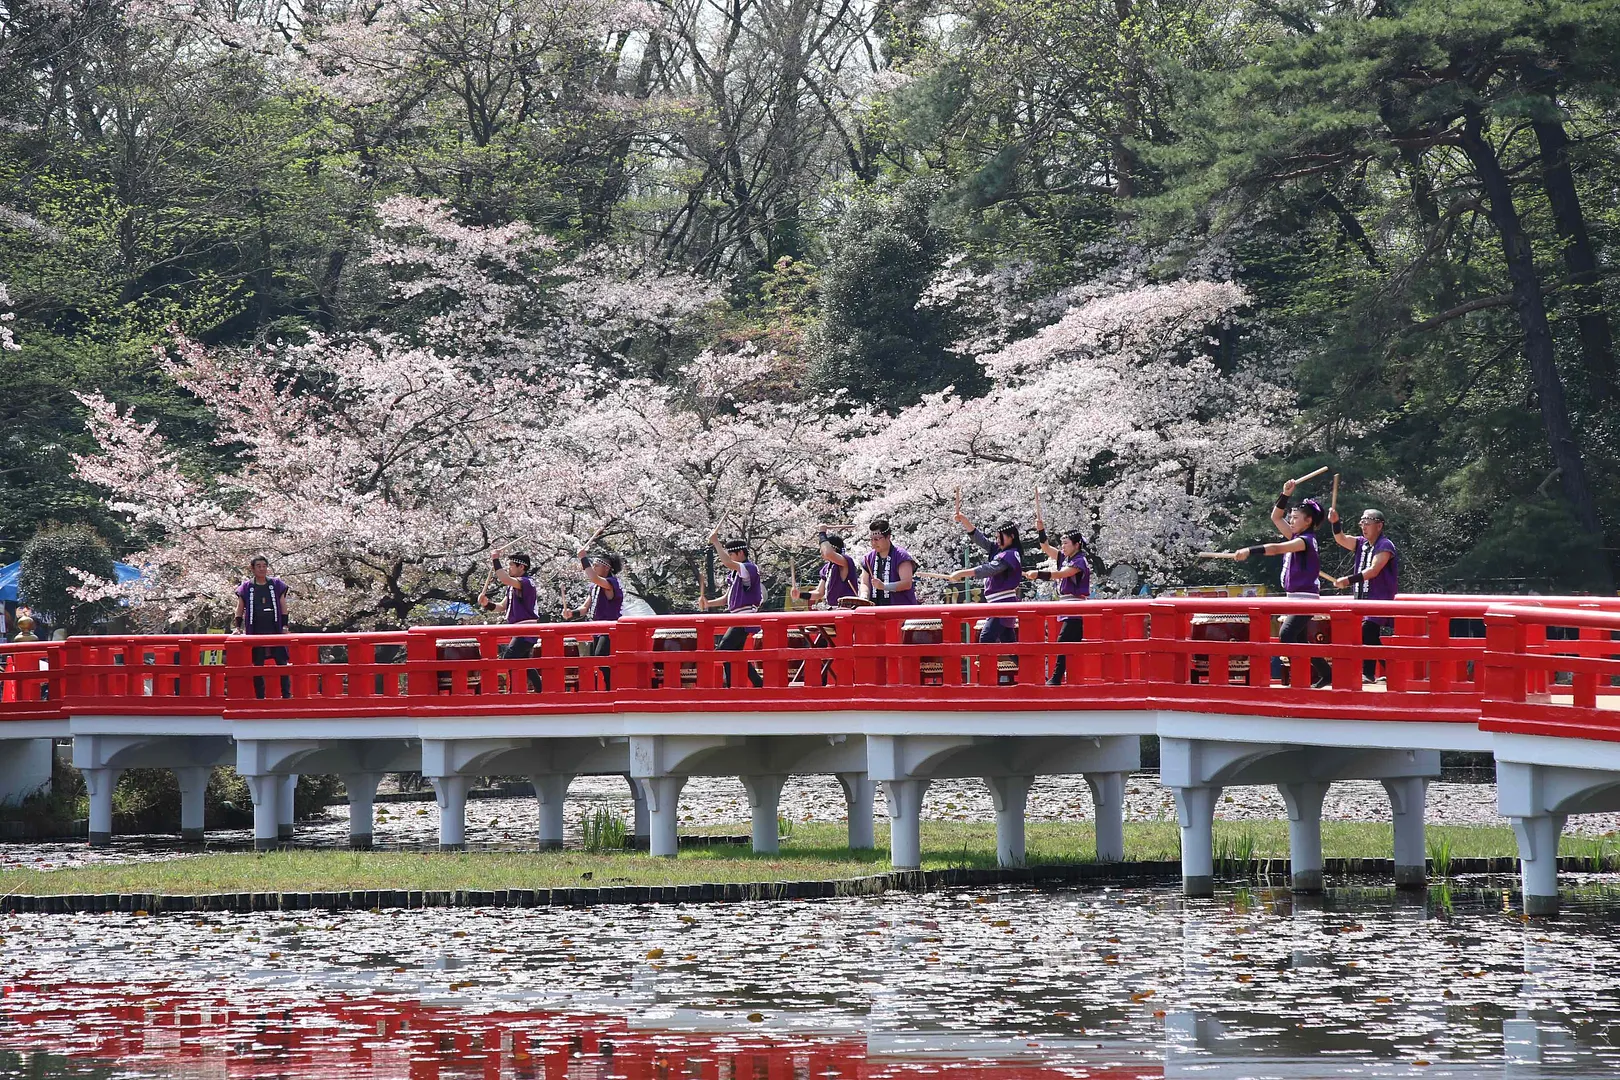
(814, 851)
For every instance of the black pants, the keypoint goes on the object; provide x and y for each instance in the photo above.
(278, 655)
(602, 645)
(1296, 629)
(520, 648)
(1073, 630)
(735, 640)
(1372, 633)
(998, 631)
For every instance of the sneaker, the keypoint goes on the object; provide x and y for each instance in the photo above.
(1322, 683)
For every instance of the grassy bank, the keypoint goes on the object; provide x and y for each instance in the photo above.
(812, 852)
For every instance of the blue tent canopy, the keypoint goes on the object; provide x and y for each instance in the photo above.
(11, 578)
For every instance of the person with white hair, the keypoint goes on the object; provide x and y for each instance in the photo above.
(1376, 576)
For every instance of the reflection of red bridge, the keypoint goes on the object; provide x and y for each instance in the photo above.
(891, 696)
(399, 1039)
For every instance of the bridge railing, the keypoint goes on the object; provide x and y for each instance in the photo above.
(513, 668)
(1200, 654)
(31, 678)
(1552, 671)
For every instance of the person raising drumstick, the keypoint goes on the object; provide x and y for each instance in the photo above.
(837, 573)
(745, 591)
(1073, 575)
(1301, 564)
(1376, 577)
(607, 599)
(1000, 573)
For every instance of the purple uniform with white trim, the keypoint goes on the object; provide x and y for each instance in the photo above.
(1387, 584)
(886, 568)
(1077, 587)
(835, 586)
(1001, 573)
(1300, 568)
(744, 591)
(264, 611)
(605, 608)
(520, 601)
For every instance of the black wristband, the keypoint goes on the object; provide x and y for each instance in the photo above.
(1043, 575)
(1282, 501)
(584, 562)
(238, 622)
(1257, 551)
(1357, 576)
(1338, 527)
(1040, 536)
(495, 561)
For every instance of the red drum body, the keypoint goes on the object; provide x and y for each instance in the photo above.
(1235, 627)
(675, 639)
(459, 649)
(926, 632)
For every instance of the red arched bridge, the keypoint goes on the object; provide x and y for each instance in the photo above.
(883, 696)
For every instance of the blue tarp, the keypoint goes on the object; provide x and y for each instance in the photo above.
(11, 575)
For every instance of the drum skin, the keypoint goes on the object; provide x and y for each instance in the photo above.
(1231, 626)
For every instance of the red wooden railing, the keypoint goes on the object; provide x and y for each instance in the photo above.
(1195, 654)
(1537, 684)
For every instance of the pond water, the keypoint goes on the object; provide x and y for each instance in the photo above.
(1011, 985)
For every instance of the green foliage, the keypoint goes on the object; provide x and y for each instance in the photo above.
(49, 562)
(603, 830)
(148, 800)
(874, 339)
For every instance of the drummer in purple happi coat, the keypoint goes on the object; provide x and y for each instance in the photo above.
(745, 591)
(1301, 566)
(838, 573)
(886, 570)
(1377, 576)
(1073, 575)
(606, 603)
(1001, 573)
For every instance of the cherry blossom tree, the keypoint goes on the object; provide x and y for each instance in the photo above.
(377, 470)
(1133, 435)
(8, 336)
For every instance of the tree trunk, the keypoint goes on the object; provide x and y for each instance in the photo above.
(1597, 342)
(1532, 311)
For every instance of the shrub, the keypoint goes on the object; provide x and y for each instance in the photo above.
(48, 579)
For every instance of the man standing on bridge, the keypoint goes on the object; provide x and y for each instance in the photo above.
(261, 608)
(887, 570)
(745, 591)
(837, 571)
(1376, 576)
(521, 598)
(607, 601)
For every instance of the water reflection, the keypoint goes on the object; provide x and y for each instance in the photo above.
(998, 986)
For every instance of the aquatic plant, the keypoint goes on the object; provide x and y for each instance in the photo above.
(1440, 856)
(1238, 857)
(603, 830)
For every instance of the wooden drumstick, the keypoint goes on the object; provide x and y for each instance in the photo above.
(1217, 555)
(1310, 476)
(1334, 504)
(933, 574)
(1329, 578)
